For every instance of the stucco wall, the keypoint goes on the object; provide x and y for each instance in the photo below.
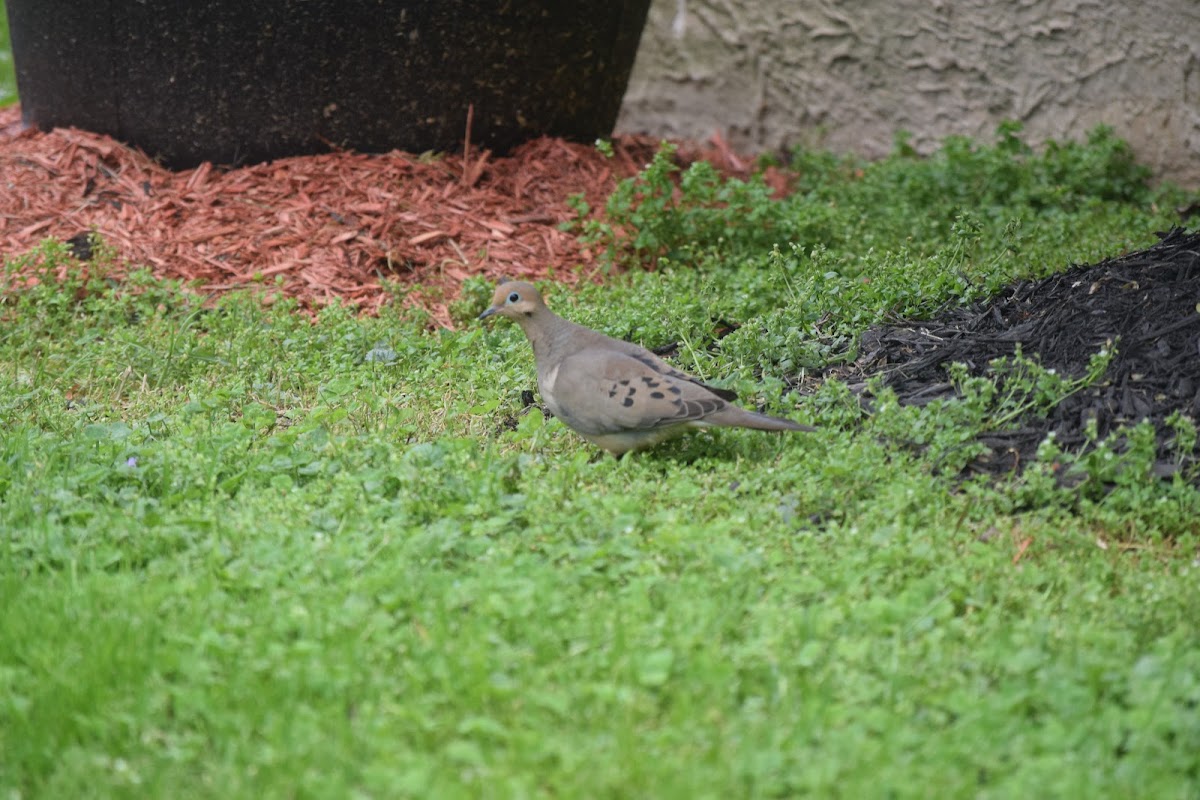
(846, 75)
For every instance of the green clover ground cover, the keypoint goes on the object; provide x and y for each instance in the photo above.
(8, 78)
(247, 555)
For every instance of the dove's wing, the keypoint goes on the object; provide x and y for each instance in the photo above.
(601, 391)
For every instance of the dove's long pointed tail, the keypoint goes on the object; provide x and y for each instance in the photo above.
(735, 417)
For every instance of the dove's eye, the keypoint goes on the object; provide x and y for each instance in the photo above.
(514, 297)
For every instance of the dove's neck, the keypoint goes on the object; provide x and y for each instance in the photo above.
(553, 338)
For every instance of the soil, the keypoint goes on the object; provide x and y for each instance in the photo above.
(1146, 304)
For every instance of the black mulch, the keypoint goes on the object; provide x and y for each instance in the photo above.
(1147, 302)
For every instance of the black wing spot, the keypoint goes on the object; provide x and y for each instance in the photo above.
(674, 390)
(724, 394)
(613, 391)
(657, 395)
(627, 402)
(623, 383)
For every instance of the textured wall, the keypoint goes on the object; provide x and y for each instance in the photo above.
(846, 75)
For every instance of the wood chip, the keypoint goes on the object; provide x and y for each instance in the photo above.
(424, 238)
(329, 225)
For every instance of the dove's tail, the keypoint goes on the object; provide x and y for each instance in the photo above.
(732, 416)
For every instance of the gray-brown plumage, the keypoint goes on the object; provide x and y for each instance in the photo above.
(616, 394)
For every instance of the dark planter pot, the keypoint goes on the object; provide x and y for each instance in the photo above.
(236, 81)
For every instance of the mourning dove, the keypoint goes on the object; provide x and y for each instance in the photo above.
(616, 394)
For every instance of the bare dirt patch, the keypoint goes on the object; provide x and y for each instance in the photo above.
(1145, 304)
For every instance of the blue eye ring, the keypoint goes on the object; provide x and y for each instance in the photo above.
(514, 297)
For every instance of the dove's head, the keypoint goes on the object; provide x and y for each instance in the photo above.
(515, 299)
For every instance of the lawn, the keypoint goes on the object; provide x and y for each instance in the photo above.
(244, 553)
(8, 80)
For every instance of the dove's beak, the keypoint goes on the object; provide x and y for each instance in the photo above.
(488, 313)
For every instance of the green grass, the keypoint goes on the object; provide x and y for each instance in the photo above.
(246, 555)
(8, 78)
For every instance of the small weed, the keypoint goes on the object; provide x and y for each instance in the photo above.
(1020, 385)
(663, 213)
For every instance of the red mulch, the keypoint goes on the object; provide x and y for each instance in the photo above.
(330, 226)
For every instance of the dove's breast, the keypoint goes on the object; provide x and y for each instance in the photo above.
(546, 389)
